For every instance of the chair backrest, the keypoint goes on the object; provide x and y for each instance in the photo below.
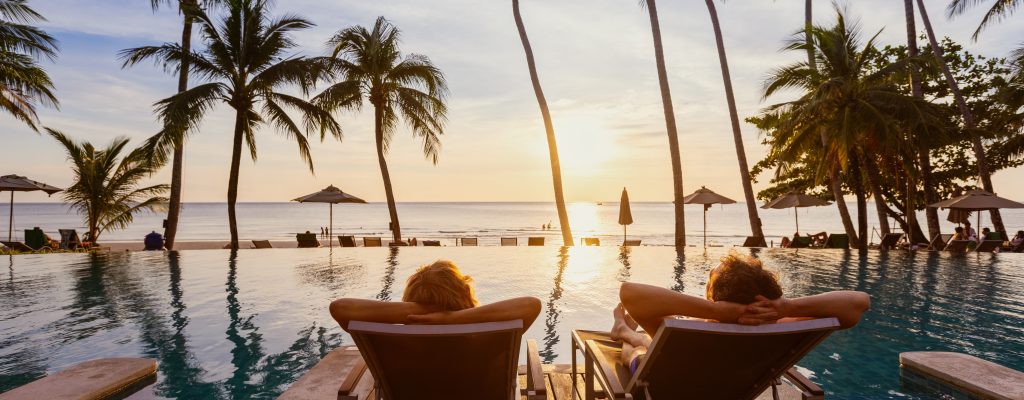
(995, 236)
(591, 241)
(69, 239)
(989, 246)
(509, 241)
(432, 243)
(468, 241)
(800, 242)
(35, 238)
(838, 241)
(938, 243)
(535, 241)
(890, 240)
(755, 241)
(307, 240)
(958, 245)
(371, 242)
(710, 360)
(347, 241)
(633, 242)
(471, 361)
(262, 244)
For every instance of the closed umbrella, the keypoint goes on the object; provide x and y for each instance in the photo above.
(332, 196)
(706, 197)
(976, 200)
(625, 214)
(795, 200)
(15, 183)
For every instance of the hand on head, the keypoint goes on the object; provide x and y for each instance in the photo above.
(762, 311)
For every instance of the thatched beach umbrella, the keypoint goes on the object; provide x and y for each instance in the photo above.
(706, 197)
(625, 214)
(795, 200)
(332, 196)
(976, 200)
(15, 183)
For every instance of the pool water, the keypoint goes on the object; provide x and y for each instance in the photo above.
(249, 326)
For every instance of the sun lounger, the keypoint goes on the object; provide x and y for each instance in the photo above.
(755, 241)
(691, 359)
(432, 243)
(889, 241)
(69, 239)
(635, 242)
(109, 378)
(995, 236)
(39, 240)
(989, 246)
(347, 241)
(958, 246)
(371, 242)
(397, 243)
(838, 241)
(262, 244)
(307, 240)
(938, 243)
(801, 242)
(509, 241)
(471, 361)
(18, 246)
(535, 241)
(591, 241)
(468, 241)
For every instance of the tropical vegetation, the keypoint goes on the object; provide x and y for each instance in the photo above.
(24, 84)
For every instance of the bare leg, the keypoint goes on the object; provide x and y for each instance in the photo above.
(634, 343)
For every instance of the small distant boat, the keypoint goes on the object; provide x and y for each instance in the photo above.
(600, 203)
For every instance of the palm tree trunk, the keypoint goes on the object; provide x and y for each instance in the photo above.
(858, 190)
(969, 122)
(177, 163)
(741, 156)
(396, 228)
(808, 27)
(236, 159)
(876, 190)
(670, 125)
(556, 169)
(924, 156)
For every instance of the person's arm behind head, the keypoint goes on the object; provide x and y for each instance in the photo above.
(523, 308)
(846, 306)
(387, 312)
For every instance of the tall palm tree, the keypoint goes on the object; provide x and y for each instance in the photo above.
(969, 122)
(185, 7)
(106, 189)
(23, 83)
(372, 66)
(244, 64)
(741, 156)
(556, 169)
(670, 125)
(924, 156)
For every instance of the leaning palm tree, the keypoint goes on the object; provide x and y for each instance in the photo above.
(372, 66)
(969, 122)
(737, 136)
(556, 169)
(185, 8)
(107, 183)
(24, 84)
(245, 64)
(924, 156)
(670, 125)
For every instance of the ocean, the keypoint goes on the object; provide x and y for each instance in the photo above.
(652, 221)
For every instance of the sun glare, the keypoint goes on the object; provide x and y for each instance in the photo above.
(585, 147)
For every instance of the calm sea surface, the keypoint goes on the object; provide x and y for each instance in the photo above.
(653, 222)
(246, 327)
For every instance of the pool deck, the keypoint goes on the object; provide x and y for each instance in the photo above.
(964, 373)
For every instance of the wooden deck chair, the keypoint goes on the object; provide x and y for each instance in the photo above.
(371, 242)
(535, 241)
(801, 242)
(108, 378)
(938, 242)
(509, 241)
(695, 359)
(307, 240)
(471, 361)
(262, 244)
(468, 241)
(837, 241)
(431, 243)
(347, 241)
(591, 241)
(635, 242)
(755, 241)
(18, 246)
(889, 241)
(989, 246)
(69, 239)
(958, 246)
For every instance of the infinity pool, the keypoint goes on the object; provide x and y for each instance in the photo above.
(250, 326)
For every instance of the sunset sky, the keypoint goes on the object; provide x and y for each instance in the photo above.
(596, 64)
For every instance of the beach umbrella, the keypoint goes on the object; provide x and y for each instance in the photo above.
(625, 214)
(706, 197)
(795, 200)
(976, 200)
(330, 195)
(15, 183)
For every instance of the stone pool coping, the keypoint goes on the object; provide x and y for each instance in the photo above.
(975, 376)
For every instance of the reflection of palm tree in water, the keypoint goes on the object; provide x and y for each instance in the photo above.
(679, 271)
(248, 350)
(389, 275)
(624, 259)
(551, 337)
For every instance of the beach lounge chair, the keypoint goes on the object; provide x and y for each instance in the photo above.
(591, 241)
(535, 241)
(958, 246)
(471, 361)
(347, 241)
(755, 241)
(938, 242)
(397, 243)
(39, 240)
(509, 241)
(69, 239)
(889, 241)
(801, 242)
(988, 246)
(371, 242)
(109, 378)
(18, 246)
(468, 241)
(307, 240)
(838, 241)
(995, 236)
(262, 244)
(431, 243)
(635, 242)
(696, 359)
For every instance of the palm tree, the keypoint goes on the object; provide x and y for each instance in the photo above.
(1000, 9)
(670, 125)
(185, 7)
(244, 64)
(924, 157)
(411, 87)
(106, 189)
(23, 83)
(969, 122)
(556, 169)
(741, 156)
